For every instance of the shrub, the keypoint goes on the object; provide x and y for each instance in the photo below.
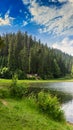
(50, 105)
(4, 93)
(5, 73)
(17, 90)
(21, 74)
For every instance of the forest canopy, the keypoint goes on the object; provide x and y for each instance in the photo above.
(23, 54)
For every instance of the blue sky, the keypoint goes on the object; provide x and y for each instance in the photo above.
(48, 20)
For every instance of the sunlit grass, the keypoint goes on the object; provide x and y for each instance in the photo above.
(30, 81)
(24, 115)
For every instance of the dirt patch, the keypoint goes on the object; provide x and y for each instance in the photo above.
(4, 102)
(70, 123)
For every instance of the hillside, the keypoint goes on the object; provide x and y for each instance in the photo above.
(23, 54)
(24, 114)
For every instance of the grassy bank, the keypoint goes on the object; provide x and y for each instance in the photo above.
(23, 114)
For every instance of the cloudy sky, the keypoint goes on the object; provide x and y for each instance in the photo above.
(48, 20)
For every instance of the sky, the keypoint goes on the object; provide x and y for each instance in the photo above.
(51, 21)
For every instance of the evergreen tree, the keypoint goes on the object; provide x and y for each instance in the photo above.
(1, 42)
(56, 69)
(24, 54)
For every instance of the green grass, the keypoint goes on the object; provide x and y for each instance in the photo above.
(24, 115)
(5, 83)
(8, 81)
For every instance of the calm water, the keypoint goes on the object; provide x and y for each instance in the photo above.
(67, 88)
(64, 91)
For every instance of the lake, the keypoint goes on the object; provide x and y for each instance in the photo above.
(64, 91)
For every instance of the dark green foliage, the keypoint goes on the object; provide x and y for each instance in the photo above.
(16, 90)
(56, 69)
(72, 72)
(5, 73)
(1, 42)
(50, 106)
(24, 55)
(4, 93)
(21, 74)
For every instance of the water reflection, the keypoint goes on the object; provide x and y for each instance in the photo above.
(62, 96)
(68, 110)
(64, 92)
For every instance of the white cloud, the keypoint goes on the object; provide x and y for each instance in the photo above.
(70, 1)
(6, 20)
(66, 45)
(58, 21)
(26, 1)
(65, 0)
(25, 23)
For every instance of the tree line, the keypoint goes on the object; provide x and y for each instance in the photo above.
(23, 54)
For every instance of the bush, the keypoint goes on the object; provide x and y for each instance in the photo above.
(21, 74)
(50, 105)
(5, 73)
(17, 90)
(4, 93)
